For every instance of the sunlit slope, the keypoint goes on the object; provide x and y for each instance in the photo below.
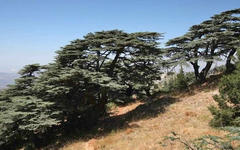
(186, 114)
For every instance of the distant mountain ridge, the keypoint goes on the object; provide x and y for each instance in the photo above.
(6, 79)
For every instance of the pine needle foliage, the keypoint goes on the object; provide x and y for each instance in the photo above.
(209, 142)
(72, 92)
(208, 41)
(228, 111)
(178, 83)
(23, 117)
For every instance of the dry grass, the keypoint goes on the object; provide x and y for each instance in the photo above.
(189, 117)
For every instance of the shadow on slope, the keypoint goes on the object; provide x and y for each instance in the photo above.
(144, 111)
(105, 126)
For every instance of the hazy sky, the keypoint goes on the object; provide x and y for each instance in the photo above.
(32, 30)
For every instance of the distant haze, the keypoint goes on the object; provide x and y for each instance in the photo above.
(6, 79)
(32, 30)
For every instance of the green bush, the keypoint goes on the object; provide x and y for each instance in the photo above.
(181, 81)
(110, 106)
(228, 111)
(218, 69)
(208, 142)
(190, 77)
(178, 83)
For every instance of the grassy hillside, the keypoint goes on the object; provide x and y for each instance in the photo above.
(130, 128)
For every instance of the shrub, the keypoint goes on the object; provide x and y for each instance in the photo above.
(178, 83)
(181, 81)
(208, 142)
(190, 77)
(228, 111)
(218, 69)
(110, 106)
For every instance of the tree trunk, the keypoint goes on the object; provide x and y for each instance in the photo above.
(147, 90)
(229, 66)
(204, 72)
(196, 69)
(103, 101)
(129, 90)
(113, 64)
(98, 61)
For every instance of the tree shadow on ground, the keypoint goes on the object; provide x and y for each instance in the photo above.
(144, 111)
(105, 126)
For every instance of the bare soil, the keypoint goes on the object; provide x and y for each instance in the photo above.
(143, 125)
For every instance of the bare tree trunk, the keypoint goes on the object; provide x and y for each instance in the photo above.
(129, 90)
(103, 101)
(196, 69)
(113, 64)
(229, 66)
(204, 72)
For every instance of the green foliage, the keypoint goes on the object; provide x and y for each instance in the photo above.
(109, 66)
(218, 70)
(73, 91)
(190, 77)
(209, 142)
(23, 117)
(178, 83)
(181, 81)
(111, 106)
(29, 70)
(23, 85)
(104, 66)
(209, 41)
(228, 111)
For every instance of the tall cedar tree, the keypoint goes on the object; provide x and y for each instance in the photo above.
(103, 66)
(72, 91)
(24, 116)
(209, 41)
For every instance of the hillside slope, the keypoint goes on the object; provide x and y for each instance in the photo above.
(144, 125)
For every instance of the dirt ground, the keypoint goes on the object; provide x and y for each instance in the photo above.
(143, 126)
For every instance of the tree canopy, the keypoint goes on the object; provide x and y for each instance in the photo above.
(108, 66)
(86, 74)
(211, 40)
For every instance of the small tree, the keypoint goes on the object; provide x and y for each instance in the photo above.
(181, 81)
(178, 82)
(228, 111)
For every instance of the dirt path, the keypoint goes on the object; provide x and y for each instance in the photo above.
(189, 116)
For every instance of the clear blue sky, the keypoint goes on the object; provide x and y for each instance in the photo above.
(32, 30)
